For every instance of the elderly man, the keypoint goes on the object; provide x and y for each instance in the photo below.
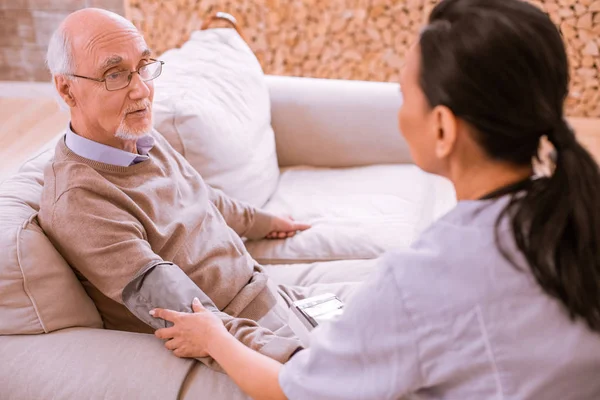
(120, 204)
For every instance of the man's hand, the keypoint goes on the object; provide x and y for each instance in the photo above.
(285, 227)
(191, 333)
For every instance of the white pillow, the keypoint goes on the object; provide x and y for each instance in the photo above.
(212, 104)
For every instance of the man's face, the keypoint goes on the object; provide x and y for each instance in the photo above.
(124, 113)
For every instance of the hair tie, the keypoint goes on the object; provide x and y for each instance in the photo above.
(562, 136)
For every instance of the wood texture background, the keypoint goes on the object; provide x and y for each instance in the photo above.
(358, 39)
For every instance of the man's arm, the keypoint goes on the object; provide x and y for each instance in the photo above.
(167, 286)
(103, 242)
(108, 246)
(251, 222)
(244, 219)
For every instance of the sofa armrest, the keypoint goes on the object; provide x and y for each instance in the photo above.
(85, 363)
(336, 123)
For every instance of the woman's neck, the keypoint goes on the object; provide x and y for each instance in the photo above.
(476, 182)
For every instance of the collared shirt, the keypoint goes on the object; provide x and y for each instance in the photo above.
(99, 152)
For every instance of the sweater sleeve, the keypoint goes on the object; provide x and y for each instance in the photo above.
(167, 286)
(100, 240)
(244, 219)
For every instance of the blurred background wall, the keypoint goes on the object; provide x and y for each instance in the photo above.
(25, 29)
(343, 39)
(358, 39)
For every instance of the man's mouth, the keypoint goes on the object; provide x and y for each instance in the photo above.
(138, 112)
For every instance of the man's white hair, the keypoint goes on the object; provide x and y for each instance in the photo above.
(59, 57)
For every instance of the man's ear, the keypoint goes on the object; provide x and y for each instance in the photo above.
(446, 130)
(63, 86)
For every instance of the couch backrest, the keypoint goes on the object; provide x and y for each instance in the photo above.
(39, 293)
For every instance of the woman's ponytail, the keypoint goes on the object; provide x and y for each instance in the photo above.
(557, 227)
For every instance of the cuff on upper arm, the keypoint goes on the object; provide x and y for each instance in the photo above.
(162, 285)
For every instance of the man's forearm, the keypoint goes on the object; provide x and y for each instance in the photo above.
(249, 333)
(256, 374)
(244, 219)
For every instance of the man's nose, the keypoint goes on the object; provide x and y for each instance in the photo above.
(138, 89)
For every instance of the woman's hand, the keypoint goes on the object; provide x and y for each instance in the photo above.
(203, 334)
(192, 332)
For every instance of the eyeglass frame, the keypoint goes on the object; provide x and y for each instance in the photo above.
(129, 77)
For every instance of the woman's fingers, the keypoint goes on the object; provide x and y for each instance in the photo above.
(180, 352)
(167, 315)
(197, 306)
(165, 333)
(172, 344)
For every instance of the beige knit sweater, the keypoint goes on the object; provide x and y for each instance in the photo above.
(109, 222)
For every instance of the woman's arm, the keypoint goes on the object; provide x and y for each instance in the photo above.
(257, 375)
(371, 352)
(203, 333)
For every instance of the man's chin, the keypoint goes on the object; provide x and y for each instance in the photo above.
(128, 133)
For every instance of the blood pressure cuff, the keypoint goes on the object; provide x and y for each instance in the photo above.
(162, 285)
(165, 285)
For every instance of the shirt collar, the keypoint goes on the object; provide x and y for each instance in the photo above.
(99, 152)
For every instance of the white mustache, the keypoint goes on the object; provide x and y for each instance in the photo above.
(138, 106)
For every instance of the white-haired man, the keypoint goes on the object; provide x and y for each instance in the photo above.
(129, 214)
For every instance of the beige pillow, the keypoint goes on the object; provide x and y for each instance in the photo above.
(212, 104)
(39, 293)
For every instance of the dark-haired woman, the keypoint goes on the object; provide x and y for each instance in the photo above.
(499, 299)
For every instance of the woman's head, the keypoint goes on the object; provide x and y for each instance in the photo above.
(488, 79)
(491, 71)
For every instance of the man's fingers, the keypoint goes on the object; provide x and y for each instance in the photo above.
(282, 235)
(165, 333)
(167, 315)
(300, 226)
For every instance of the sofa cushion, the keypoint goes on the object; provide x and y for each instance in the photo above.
(356, 213)
(93, 364)
(212, 104)
(341, 278)
(39, 292)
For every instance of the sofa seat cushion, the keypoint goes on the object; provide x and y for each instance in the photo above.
(39, 293)
(322, 273)
(212, 104)
(356, 213)
(82, 363)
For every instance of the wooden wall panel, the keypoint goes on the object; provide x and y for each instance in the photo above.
(358, 39)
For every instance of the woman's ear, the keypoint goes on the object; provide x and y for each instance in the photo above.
(445, 123)
(63, 86)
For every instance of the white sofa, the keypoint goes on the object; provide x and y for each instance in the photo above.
(344, 168)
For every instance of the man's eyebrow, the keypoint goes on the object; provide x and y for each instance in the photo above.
(114, 60)
(110, 61)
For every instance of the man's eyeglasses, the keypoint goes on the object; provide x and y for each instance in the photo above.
(122, 79)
